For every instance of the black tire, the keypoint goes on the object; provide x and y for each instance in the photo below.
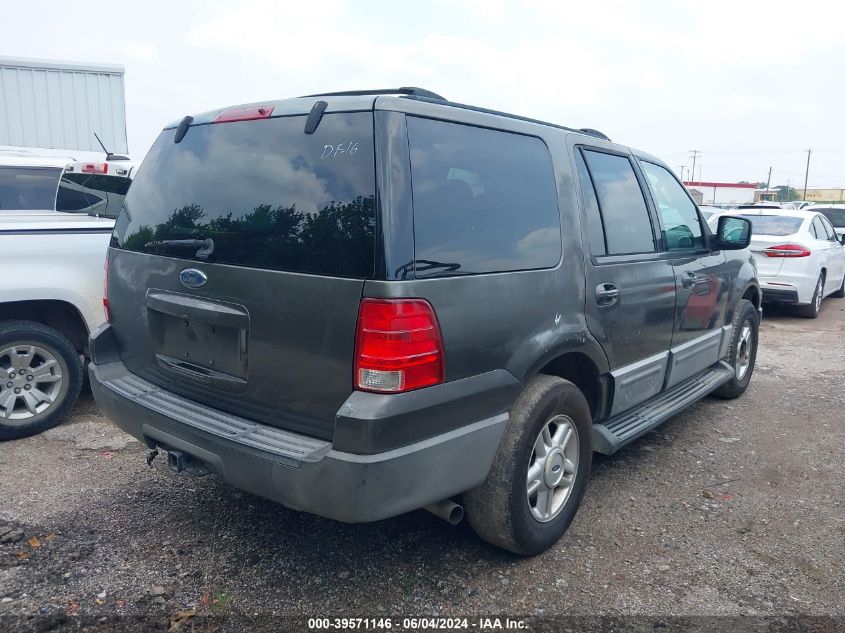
(839, 294)
(812, 310)
(22, 333)
(498, 510)
(744, 315)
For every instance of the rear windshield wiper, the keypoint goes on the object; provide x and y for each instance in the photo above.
(205, 247)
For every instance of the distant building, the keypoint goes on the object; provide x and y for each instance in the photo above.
(723, 192)
(59, 105)
(696, 195)
(765, 195)
(836, 194)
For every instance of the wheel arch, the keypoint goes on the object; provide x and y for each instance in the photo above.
(60, 315)
(581, 369)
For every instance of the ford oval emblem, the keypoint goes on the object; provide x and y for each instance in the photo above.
(192, 278)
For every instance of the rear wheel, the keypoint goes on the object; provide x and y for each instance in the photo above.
(540, 472)
(742, 353)
(40, 378)
(812, 310)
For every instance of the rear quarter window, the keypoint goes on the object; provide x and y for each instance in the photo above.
(261, 194)
(484, 200)
(28, 188)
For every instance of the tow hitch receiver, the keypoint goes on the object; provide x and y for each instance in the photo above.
(177, 461)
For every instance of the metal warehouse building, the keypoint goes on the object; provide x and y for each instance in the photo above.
(57, 105)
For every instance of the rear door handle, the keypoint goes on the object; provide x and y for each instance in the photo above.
(689, 279)
(607, 294)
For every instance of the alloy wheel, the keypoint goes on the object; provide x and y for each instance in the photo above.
(552, 468)
(30, 382)
(744, 349)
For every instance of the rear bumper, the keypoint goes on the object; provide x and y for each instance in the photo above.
(790, 287)
(780, 295)
(300, 472)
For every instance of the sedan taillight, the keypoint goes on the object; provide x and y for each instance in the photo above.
(787, 250)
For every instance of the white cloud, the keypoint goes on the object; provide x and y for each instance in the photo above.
(141, 52)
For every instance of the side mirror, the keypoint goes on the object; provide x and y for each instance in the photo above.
(842, 239)
(732, 233)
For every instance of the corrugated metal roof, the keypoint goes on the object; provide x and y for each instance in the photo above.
(59, 105)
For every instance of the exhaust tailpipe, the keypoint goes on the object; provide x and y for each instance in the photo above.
(447, 510)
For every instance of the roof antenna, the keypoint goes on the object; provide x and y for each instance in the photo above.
(109, 155)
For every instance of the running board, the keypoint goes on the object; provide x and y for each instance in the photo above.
(624, 428)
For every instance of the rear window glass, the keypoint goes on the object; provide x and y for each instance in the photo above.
(261, 194)
(836, 216)
(773, 224)
(484, 200)
(92, 193)
(28, 188)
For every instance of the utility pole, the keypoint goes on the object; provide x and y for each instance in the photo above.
(769, 180)
(682, 172)
(807, 173)
(694, 153)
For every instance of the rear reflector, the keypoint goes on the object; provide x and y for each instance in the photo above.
(106, 290)
(95, 168)
(787, 250)
(397, 346)
(244, 114)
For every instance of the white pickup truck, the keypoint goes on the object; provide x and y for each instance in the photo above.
(51, 284)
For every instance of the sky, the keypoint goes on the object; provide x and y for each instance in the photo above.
(750, 85)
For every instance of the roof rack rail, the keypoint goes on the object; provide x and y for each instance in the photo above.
(596, 133)
(408, 90)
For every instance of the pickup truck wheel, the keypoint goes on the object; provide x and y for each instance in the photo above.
(540, 471)
(812, 310)
(742, 353)
(40, 378)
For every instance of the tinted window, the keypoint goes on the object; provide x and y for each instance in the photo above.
(681, 226)
(595, 230)
(484, 200)
(259, 193)
(624, 213)
(815, 229)
(773, 224)
(32, 188)
(91, 193)
(836, 216)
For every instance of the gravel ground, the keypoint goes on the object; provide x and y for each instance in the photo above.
(731, 508)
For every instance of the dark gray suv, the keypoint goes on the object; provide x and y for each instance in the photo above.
(360, 304)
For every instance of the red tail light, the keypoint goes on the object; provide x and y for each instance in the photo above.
(106, 289)
(397, 346)
(787, 250)
(244, 114)
(95, 168)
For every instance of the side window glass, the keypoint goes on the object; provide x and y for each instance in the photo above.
(623, 210)
(678, 214)
(484, 200)
(595, 230)
(815, 230)
(831, 234)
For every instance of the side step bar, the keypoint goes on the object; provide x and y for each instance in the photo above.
(624, 428)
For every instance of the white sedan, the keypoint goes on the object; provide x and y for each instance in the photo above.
(800, 259)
